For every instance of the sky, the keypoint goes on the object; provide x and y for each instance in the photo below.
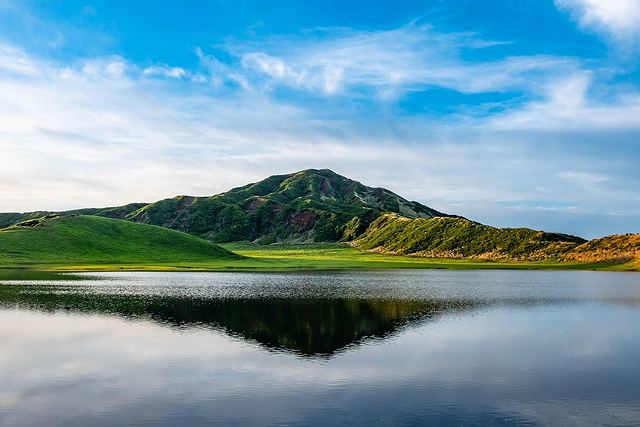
(511, 113)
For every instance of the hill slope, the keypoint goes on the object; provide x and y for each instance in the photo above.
(89, 239)
(311, 205)
(117, 212)
(616, 248)
(459, 237)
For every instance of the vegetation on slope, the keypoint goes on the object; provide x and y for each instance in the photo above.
(459, 237)
(117, 212)
(343, 256)
(312, 205)
(624, 248)
(74, 240)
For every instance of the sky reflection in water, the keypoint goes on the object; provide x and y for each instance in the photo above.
(387, 347)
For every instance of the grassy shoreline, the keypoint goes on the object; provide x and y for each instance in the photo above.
(306, 257)
(91, 243)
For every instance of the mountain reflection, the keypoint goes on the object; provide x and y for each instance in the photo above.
(306, 326)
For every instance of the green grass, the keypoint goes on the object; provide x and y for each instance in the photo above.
(339, 255)
(88, 243)
(90, 240)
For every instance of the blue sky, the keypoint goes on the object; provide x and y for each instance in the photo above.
(513, 113)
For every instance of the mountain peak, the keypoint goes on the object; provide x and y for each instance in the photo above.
(323, 172)
(308, 205)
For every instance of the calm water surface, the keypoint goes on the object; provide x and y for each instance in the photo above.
(382, 348)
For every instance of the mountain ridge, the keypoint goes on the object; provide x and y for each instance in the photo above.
(462, 238)
(313, 205)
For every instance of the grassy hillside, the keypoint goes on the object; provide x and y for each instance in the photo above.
(459, 237)
(76, 240)
(624, 248)
(117, 212)
(312, 205)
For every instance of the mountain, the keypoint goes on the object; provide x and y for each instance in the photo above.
(311, 205)
(314, 205)
(462, 238)
(76, 240)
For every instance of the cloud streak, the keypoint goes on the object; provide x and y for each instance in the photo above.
(411, 58)
(566, 106)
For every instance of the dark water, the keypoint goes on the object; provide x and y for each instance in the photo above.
(369, 348)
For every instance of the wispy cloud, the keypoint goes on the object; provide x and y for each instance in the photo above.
(220, 73)
(15, 61)
(164, 70)
(413, 57)
(566, 106)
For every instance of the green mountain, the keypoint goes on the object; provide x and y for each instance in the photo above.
(312, 205)
(75, 240)
(462, 238)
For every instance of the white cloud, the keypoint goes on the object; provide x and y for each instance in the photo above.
(566, 106)
(617, 19)
(165, 71)
(111, 67)
(413, 57)
(14, 60)
(269, 65)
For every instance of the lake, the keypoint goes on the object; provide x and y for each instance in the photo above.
(365, 347)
